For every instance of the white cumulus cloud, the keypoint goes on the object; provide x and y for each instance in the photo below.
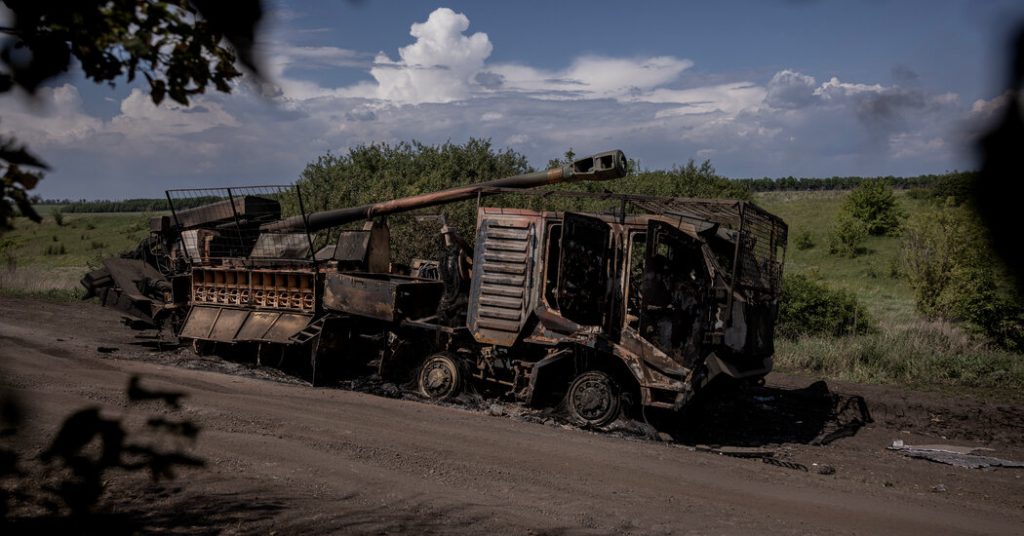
(438, 67)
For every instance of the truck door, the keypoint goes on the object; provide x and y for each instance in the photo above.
(584, 269)
(674, 290)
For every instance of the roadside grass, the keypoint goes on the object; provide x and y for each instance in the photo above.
(905, 349)
(918, 353)
(46, 260)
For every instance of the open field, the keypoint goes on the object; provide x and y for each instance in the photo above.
(48, 259)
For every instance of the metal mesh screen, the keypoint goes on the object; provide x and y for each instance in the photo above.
(222, 225)
(759, 259)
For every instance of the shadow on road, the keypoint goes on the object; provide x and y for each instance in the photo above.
(757, 416)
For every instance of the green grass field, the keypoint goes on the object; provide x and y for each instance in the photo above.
(869, 276)
(906, 348)
(48, 259)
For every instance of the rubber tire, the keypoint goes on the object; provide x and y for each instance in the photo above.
(440, 377)
(594, 399)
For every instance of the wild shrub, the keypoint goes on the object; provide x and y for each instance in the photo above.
(58, 218)
(811, 308)
(58, 249)
(945, 258)
(874, 204)
(804, 240)
(847, 235)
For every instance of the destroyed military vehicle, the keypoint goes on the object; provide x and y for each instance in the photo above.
(642, 306)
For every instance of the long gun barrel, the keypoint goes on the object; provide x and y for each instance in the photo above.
(598, 167)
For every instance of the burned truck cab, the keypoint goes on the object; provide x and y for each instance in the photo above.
(662, 301)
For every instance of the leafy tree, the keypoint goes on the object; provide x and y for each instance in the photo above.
(181, 47)
(874, 204)
(689, 180)
(378, 172)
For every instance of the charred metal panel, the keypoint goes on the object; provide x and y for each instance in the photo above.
(257, 325)
(352, 246)
(224, 324)
(199, 322)
(503, 264)
(281, 246)
(286, 327)
(130, 286)
(228, 323)
(245, 207)
(385, 297)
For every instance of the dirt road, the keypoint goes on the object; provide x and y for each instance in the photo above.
(285, 457)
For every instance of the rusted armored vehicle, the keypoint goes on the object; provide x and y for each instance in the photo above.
(641, 306)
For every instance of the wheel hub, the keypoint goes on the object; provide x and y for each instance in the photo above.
(438, 379)
(592, 399)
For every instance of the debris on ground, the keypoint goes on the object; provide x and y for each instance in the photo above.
(824, 469)
(106, 349)
(955, 455)
(939, 488)
(783, 463)
(736, 452)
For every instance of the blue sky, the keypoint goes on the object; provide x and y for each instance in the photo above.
(767, 88)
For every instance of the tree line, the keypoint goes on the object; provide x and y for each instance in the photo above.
(786, 184)
(690, 180)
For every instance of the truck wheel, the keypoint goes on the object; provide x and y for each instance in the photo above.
(594, 399)
(440, 377)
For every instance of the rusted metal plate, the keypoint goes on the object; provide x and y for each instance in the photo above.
(385, 297)
(199, 322)
(228, 324)
(224, 324)
(287, 325)
(257, 326)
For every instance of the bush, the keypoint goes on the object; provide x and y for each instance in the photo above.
(59, 249)
(811, 308)
(874, 204)
(846, 237)
(58, 218)
(946, 260)
(378, 172)
(804, 240)
(936, 245)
